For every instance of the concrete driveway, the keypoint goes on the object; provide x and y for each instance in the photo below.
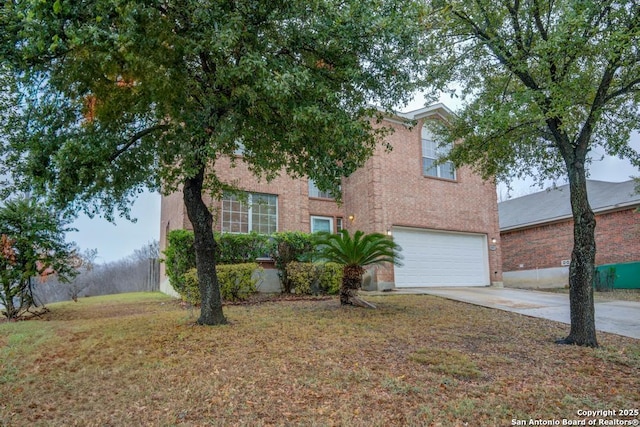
(617, 317)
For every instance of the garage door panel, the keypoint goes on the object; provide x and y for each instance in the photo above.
(433, 258)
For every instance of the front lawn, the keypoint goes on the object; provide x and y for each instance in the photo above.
(138, 359)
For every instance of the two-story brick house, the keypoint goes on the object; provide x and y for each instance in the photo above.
(445, 219)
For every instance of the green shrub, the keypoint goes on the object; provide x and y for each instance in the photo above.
(190, 292)
(331, 278)
(180, 257)
(289, 246)
(283, 247)
(241, 248)
(303, 277)
(312, 279)
(237, 282)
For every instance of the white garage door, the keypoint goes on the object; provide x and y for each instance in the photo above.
(434, 258)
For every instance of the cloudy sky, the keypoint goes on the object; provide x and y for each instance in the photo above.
(115, 241)
(610, 169)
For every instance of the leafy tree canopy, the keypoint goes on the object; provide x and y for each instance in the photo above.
(112, 96)
(548, 82)
(33, 245)
(119, 95)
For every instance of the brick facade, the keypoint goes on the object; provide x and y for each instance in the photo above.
(545, 246)
(390, 190)
(173, 216)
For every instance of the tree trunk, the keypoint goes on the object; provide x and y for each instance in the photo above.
(583, 327)
(9, 308)
(205, 248)
(351, 282)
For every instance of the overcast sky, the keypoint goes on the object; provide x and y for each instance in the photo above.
(611, 169)
(115, 241)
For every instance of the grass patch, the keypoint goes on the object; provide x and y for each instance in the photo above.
(448, 361)
(18, 343)
(138, 359)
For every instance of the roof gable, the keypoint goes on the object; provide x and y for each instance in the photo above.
(409, 118)
(438, 109)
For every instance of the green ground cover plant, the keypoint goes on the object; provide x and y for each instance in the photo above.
(137, 359)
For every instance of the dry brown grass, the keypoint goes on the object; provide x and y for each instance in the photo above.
(417, 360)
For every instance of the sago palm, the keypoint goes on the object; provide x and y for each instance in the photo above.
(354, 254)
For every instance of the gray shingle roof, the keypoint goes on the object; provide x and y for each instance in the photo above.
(554, 204)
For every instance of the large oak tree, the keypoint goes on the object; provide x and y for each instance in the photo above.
(548, 81)
(114, 96)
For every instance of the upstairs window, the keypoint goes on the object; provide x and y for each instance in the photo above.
(254, 212)
(315, 191)
(431, 152)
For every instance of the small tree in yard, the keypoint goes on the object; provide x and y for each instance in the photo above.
(84, 264)
(111, 97)
(549, 82)
(354, 254)
(32, 246)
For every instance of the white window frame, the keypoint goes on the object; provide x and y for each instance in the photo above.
(318, 217)
(433, 152)
(226, 222)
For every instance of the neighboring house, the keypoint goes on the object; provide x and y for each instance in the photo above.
(445, 219)
(537, 232)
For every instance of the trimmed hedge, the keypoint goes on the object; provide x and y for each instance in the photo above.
(180, 257)
(190, 292)
(231, 249)
(237, 282)
(312, 279)
(282, 247)
(331, 278)
(241, 248)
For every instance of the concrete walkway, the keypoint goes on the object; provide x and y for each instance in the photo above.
(617, 317)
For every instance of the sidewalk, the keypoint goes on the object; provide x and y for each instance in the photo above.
(617, 317)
